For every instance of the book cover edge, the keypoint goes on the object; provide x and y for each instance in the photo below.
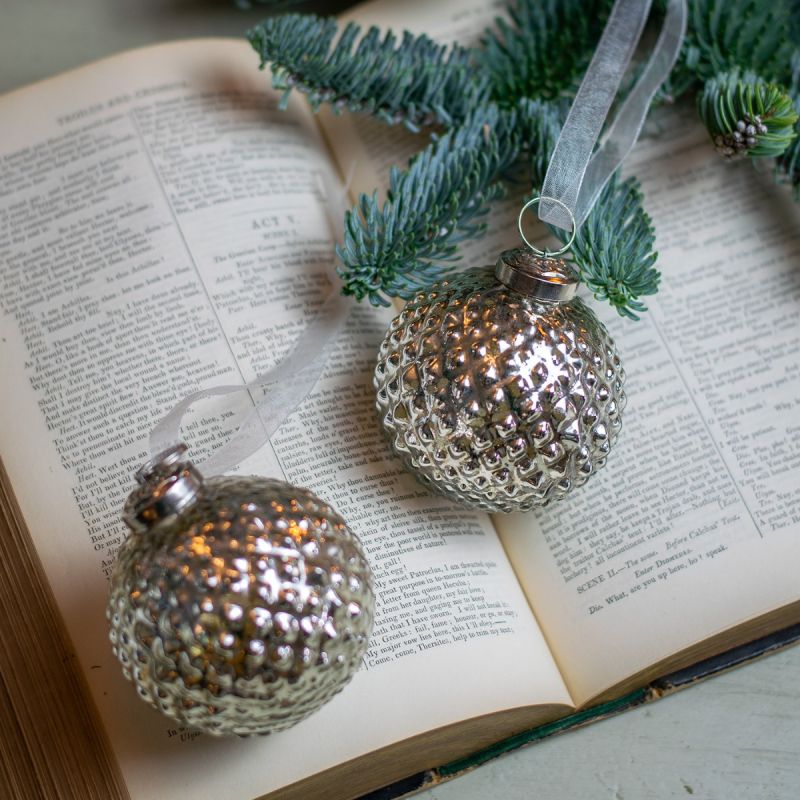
(670, 683)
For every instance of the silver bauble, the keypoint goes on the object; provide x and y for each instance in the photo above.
(498, 387)
(237, 605)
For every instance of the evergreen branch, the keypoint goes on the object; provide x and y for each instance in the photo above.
(678, 83)
(543, 50)
(440, 200)
(540, 124)
(683, 75)
(277, 5)
(413, 80)
(613, 250)
(788, 165)
(753, 35)
(507, 100)
(745, 115)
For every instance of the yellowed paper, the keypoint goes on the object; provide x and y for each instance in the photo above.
(161, 230)
(693, 526)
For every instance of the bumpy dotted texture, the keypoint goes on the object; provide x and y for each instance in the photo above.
(245, 614)
(495, 399)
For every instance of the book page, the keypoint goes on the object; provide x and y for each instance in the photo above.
(693, 527)
(162, 230)
(657, 552)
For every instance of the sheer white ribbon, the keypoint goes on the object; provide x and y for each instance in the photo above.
(574, 176)
(281, 389)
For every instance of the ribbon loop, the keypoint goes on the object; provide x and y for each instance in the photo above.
(574, 176)
(283, 387)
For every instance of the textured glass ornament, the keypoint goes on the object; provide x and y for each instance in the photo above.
(238, 605)
(500, 388)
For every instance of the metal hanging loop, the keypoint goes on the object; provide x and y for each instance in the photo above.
(536, 250)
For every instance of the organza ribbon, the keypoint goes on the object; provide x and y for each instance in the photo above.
(574, 176)
(281, 389)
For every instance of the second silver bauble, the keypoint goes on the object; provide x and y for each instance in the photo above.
(499, 387)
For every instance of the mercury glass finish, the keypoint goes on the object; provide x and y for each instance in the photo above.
(494, 397)
(243, 612)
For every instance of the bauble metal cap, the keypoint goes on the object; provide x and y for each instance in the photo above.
(168, 485)
(551, 280)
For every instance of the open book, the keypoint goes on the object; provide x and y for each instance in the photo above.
(161, 230)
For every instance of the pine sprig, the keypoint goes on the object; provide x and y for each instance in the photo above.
(543, 49)
(614, 248)
(540, 124)
(788, 165)
(745, 115)
(441, 199)
(504, 105)
(275, 4)
(752, 35)
(413, 80)
(412, 240)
